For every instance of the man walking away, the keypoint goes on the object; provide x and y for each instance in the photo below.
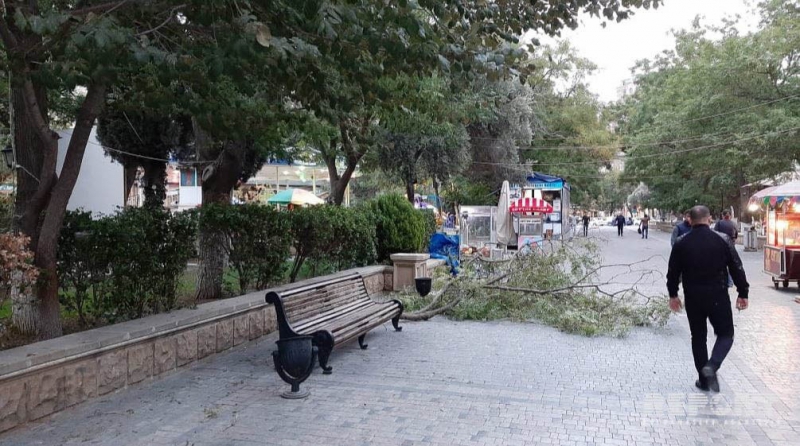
(645, 226)
(620, 220)
(681, 228)
(585, 225)
(701, 260)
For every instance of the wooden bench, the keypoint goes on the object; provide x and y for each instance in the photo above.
(333, 312)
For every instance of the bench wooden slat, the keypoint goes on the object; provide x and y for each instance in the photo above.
(322, 298)
(332, 314)
(300, 315)
(338, 324)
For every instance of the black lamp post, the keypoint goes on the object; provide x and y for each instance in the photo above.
(8, 156)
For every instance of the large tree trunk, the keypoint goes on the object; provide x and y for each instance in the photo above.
(49, 323)
(339, 181)
(410, 191)
(28, 151)
(155, 184)
(217, 189)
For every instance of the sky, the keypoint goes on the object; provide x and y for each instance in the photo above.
(617, 47)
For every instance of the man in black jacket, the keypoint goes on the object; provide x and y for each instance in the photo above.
(702, 259)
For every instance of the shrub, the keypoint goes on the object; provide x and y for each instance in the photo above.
(332, 238)
(398, 226)
(125, 265)
(429, 218)
(258, 241)
(83, 265)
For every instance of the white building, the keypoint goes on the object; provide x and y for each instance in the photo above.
(100, 185)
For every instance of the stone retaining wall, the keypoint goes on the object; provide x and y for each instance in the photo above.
(42, 378)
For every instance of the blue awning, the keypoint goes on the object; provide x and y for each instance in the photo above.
(540, 181)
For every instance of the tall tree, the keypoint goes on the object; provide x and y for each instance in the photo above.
(137, 139)
(714, 114)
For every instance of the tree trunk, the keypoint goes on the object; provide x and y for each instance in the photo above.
(129, 174)
(338, 181)
(49, 323)
(213, 255)
(410, 191)
(28, 150)
(155, 184)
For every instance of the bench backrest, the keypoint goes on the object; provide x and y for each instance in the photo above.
(306, 302)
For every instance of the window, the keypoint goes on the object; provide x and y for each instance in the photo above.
(189, 177)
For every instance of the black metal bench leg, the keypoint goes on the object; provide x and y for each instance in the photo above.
(324, 342)
(361, 342)
(396, 323)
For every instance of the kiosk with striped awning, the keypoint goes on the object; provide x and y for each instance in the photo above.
(530, 205)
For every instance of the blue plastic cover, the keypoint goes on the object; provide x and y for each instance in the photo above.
(446, 247)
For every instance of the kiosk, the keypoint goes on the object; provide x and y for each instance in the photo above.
(782, 247)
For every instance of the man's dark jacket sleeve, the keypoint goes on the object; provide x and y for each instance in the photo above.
(674, 270)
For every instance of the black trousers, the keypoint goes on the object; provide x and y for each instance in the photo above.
(713, 306)
(619, 229)
(585, 230)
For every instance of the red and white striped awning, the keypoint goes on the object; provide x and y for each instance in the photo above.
(530, 205)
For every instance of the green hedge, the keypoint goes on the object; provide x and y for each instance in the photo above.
(258, 241)
(331, 238)
(125, 265)
(128, 264)
(398, 226)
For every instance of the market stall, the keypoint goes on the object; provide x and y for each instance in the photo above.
(782, 248)
(530, 213)
(555, 191)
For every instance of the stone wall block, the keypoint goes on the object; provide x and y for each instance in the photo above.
(206, 340)
(13, 404)
(388, 281)
(257, 322)
(240, 329)
(80, 382)
(165, 355)
(186, 347)
(45, 393)
(112, 371)
(271, 320)
(224, 334)
(140, 362)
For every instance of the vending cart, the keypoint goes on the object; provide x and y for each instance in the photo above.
(782, 247)
(530, 213)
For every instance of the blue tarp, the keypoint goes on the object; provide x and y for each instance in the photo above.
(445, 247)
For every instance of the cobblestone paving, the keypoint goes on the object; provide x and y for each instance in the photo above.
(448, 383)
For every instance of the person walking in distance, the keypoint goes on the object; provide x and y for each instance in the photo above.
(681, 228)
(620, 221)
(585, 225)
(645, 226)
(701, 260)
(727, 227)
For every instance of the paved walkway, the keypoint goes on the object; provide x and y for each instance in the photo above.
(442, 382)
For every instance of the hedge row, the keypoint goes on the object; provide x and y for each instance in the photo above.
(127, 265)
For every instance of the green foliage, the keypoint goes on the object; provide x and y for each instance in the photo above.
(559, 293)
(331, 238)
(258, 241)
(125, 265)
(429, 218)
(398, 226)
(713, 113)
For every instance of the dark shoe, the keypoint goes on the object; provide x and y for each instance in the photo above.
(710, 374)
(701, 386)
